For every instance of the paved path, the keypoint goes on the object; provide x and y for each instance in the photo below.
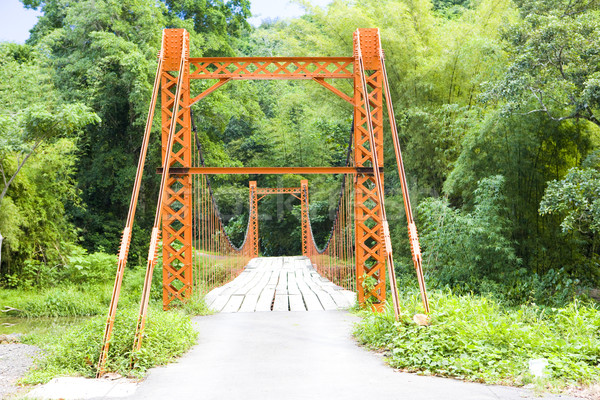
(279, 284)
(293, 356)
(285, 355)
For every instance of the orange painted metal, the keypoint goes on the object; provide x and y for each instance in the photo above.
(177, 208)
(412, 228)
(209, 90)
(294, 191)
(267, 170)
(304, 216)
(173, 101)
(338, 92)
(253, 218)
(126, 238)
(370, 257)
(372, 106)
(271, 67)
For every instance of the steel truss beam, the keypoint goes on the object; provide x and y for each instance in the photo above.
(253, 218)
(271, 67)
(268, 170)
(265, 191)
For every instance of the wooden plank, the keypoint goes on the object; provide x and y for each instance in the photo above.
(212, 295)
(292, 285)
(258, 288)
(265, 300)
(311, 300)
(282, 283)
(219, 303)
(351, 296)
(337, 296)
(238, 282)
(250, 284)
(274, 278)
(249, 304)
(296, 302)
(233, 305)
(324, 297)
(281, 303)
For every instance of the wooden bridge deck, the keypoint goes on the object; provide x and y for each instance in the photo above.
(279, 284)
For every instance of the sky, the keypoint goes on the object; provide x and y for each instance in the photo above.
(16, 21)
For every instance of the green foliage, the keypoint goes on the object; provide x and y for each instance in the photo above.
(474, 338)
(576, 200)
(167, 335)
(37, 160)
(577, 196)
(463, 248)
(368, 284)
(196, 305)
(103, 53)
(217, 21)
(83, 268)
(77, 268)
(555, 65)
(61, 301)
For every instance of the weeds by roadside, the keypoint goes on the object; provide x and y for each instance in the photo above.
(76, 351)
(475, 338)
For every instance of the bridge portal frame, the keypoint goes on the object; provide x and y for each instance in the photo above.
(301, 193)
(369, 227)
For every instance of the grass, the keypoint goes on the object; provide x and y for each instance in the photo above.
(76, 351)
(476, 339)
(77, 300)
(61, 301)
(67, 322)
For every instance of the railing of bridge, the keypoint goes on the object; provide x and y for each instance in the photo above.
(216, 260)
(335, 260)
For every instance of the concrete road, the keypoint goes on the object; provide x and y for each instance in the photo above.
(296, 355)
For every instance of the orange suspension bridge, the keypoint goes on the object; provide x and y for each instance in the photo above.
(197, 252)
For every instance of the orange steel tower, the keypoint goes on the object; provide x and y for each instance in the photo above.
(175, 211)
(370, 256)
(177, 208)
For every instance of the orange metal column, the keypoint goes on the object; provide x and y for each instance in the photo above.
(177, 209)
(304, 215)
(370, 253)
(253, 215)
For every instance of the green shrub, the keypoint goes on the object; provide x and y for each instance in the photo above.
(84, 268)
(196, 305)
(76, 352)
(61, 301)
(474, 338)
(461, 248)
